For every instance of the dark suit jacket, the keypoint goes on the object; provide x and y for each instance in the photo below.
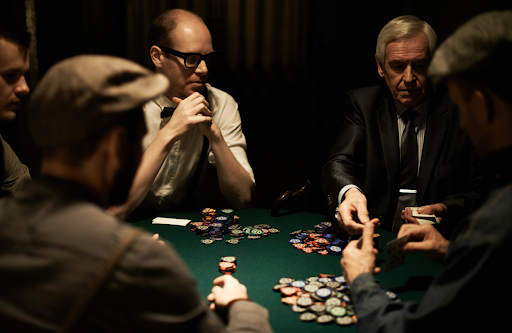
(367, 155)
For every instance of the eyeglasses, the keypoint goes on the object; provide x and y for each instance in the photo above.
(193, 60)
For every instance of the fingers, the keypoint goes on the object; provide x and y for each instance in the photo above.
(362, 212)
(368, 237)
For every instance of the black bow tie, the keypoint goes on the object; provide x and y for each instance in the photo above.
(167, 112)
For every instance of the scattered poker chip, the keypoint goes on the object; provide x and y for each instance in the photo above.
(288, 291)
(298, 284)
(325, 319)
(308, 316)
(304, 302)
(233, 241)
(317, 308)
(344, 321)
(229, 259)
(391, 294)
(289, 300)
(332, 284)
(274, 230)
(207, 241)
(333, 302)
(311, 288)
(285, 280)
(323, 293)
(337, 311)
(278, 287)
(253, 237)
(298, 309)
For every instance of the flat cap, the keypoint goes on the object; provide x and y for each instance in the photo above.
(79, 96)
(480, 50)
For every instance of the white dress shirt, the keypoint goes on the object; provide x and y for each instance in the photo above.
(420, 126)
(171, 185)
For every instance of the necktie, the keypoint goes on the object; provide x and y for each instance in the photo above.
(408, 168)
(167, 112)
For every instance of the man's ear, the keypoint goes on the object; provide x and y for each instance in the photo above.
(483, 105)
(156, 55)
(379, 67)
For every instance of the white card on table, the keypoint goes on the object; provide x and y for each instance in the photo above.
(170, 221)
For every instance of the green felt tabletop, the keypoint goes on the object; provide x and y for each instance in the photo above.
(261, 263)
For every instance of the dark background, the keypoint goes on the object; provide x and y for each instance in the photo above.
(288, 64)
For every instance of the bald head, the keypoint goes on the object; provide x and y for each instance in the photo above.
(162, 28)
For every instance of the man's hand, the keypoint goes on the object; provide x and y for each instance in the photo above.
(437, 209)
(424, 238)
(190, 111)
(358, 261)
(354, 205)
(157, 238)
(226, 289)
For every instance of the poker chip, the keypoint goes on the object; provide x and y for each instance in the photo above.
(332, 284)
(298, 284)
(289, 300)
(304, 302)
(298, 309)
(333, 302)
(337, 311)
(323, 293)
(233, 241)
(343, 321)
(278, 287)
(311, 288)
(391, 295)
(308, 316)
(285, 280)
(207, 241)
(288, 291)
(317, 308)
(325, 319)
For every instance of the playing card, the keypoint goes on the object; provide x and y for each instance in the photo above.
(394, 257)
(170, 221)
(423, 218)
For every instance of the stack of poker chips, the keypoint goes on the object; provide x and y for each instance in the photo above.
(218, 224)
(324, 298)
(326, 238)
(227, 265)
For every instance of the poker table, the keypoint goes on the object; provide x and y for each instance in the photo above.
(262, 262)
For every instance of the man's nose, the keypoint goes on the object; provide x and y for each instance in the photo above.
(202, 68)
(408, 74)
(21, 87)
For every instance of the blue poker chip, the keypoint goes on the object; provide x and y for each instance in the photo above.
(391, 294)
(294, 240)
(346, 299)
(298, 284)
(334, 249)
(323, 293)
(328, 236)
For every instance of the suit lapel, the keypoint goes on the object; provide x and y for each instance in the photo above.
(437, 123)
(388, 128)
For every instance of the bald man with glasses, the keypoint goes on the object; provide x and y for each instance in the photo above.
(189, 124)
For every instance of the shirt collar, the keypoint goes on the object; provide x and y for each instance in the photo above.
(163, 101)
(421, 108)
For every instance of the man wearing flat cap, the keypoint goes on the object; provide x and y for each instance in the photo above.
(190, 126)
(67, 265)
(473, 62)
(399, 144)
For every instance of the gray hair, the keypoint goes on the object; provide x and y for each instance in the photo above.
(401, 28)
(480, 51)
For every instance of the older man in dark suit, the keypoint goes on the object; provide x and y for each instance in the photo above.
(400, 144)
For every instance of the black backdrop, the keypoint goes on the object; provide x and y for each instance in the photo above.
(288, 64)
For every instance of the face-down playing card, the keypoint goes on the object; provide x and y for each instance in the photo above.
(394, 257)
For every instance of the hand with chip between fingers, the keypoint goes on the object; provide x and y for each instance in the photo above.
(354, 205)
(424, 238)
(437, 209)
(226, 290)
(357, 261)
(190, 111)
